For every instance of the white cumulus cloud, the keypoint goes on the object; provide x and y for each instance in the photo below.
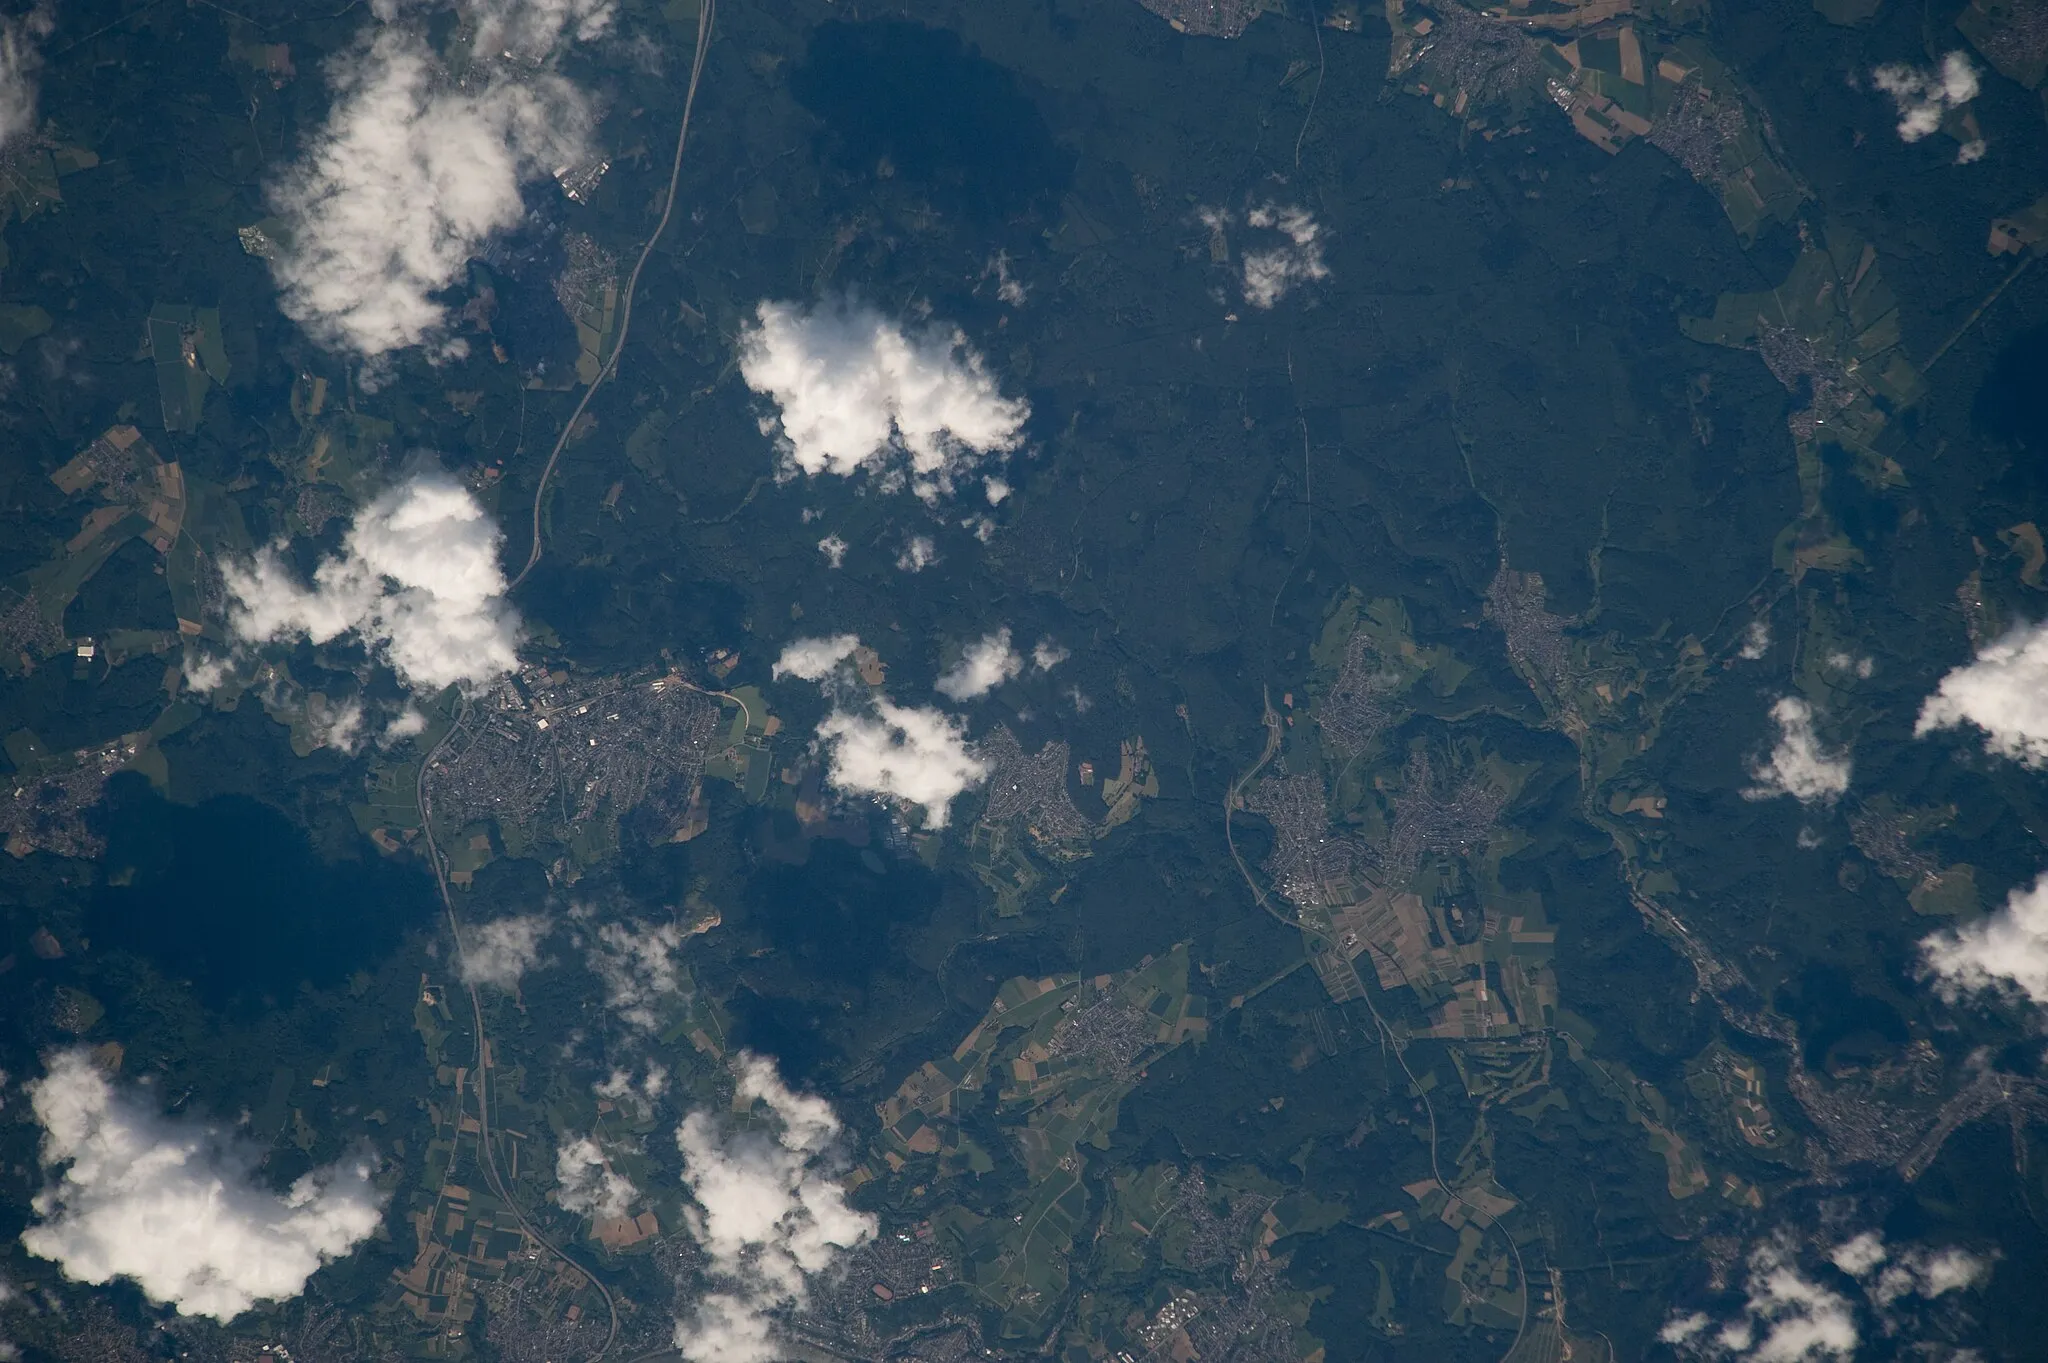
(1859, 1254)
(408, 723)
(411, 174)
(814, 659)
(1795, 1312)
(1272, 272)
(1046, 655)
(528, 29)
(640, 968)
(587, 1183)
(10, 1352)
(628, 1096)
(336, 724)
(919, 553)
(2006, 952)
(204, 672)
(769, 1213)
(21, 60)
(915, 754)
(2004, 693)
(417, 581)
(1924, 95)
(1787, 1317)
(176, 1206)
(986, 664)
(1888, 1276)
(855, 390)
(502, 950)
(1799, 765)
(1948, 1270)
(1009, 288)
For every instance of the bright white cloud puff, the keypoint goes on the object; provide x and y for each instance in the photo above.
(2006, 952)
(854, 390)
(175, 1205)
(413, 171)
(2003, 693)
(815, 659)
(1799, 765)
(500, 951)
(916, 754)
(417, 581)
(1797, 1310)
(986, 664)
(587, 1185)
(21, 60)
(769, 1214)
(1924, 95)
(641, 967)
(1272, 272)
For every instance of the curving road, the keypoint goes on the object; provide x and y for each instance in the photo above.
(675, 175)
(488, 1158)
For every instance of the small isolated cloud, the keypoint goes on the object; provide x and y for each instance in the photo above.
(1948, 1270)
(1924, 95)
(528, 29)
(337, 724)
(1799, 765)
(2004, 693)
(588, 1185)
(1787, 1318)
(834, 550)
(769, 1212)
(504, 949)
(655, 1082)
(854, 390)
(2004, 953)
(408, 723)
(417, 581)
(204, 672)
(815, 659)
(636, 1098)
(1887, 1277)
(1756, 640)
(1859, 1254)
(987, 664)
(1801, 1312)
(640, 968)
(176, 1206)
(21, 60)
(1008, 288)
(411, 174)
(915, 754)
(1271, 273)
(1046, 655)
(918, 554)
